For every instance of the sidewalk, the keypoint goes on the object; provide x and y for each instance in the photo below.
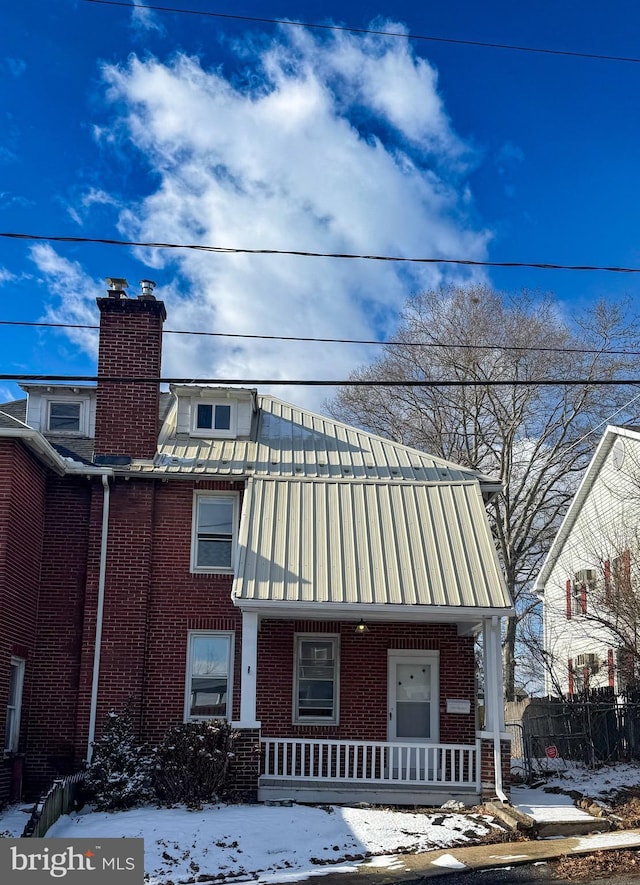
(404, 868)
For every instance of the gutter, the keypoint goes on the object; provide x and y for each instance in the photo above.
(34, 440)
(99, 615)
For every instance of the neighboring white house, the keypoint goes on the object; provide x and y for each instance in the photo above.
(587, 580)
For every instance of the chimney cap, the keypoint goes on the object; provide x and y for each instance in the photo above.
(147, 287)
(116, 287)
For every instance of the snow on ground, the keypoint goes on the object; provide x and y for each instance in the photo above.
(13, 820)
(270, 843)
(546, 807)
(546, 804)
(597, 783)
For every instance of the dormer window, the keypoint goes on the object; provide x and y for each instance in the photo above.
(214, 418)
(64, 417)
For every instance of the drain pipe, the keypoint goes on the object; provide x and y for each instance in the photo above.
(498, 701)
(99, 615)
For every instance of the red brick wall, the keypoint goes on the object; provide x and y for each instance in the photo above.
(487, 768)
(22, 490)
(152, 600)
(56, 660)
(131, 345)
(363, 678)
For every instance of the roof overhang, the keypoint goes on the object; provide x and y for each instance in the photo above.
(468, 620)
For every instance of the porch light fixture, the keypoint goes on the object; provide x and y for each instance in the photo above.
(361, 628)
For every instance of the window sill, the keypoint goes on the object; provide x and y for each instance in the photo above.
(208, 571)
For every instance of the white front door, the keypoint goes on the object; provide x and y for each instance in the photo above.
(413, 696)
(413, 714)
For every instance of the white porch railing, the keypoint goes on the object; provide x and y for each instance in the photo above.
(371, 762)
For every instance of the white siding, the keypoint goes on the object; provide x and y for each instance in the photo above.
(601, 524)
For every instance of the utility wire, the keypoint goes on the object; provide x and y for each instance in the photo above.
(234, 250)
(317, 340)
(378, 33)
(135, 379)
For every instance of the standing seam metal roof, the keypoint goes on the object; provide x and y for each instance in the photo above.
(290, 441)
(367, 543)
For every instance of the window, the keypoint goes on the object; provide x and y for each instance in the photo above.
(316, 679)
(64, 417)
(209, 676)
(219, 418)
(14, 705)
(621, 576)
(213, 533)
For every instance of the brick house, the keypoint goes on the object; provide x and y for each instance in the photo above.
(215, 552)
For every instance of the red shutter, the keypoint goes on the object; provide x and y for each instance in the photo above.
(570, 669)
(610, 667)
(583, 599)
(626, 570)
(607, 582)
(569, 599)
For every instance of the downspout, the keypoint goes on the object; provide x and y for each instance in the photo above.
(497, 715)
(99, 616)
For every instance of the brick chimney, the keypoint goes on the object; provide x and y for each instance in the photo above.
(127, 420)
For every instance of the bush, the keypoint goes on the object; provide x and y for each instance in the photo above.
(193, 761)
(119, 775)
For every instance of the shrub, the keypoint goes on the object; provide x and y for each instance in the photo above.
(193, 761)
(119, 775)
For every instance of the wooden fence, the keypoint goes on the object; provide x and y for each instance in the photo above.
(58, 801)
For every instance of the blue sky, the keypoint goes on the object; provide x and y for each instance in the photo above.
(142, 125)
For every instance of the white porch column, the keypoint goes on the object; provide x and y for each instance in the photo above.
(248, 671)
(493, 678)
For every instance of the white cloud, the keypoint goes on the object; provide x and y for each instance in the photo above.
(143, 19)
(94, 196)
(325, 144)
(75, 294)
(6, 276)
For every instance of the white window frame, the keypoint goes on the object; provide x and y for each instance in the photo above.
(213, 570)
(12, 735)
(218, 634)
(83, 417)
(209, 432)
(334, 638)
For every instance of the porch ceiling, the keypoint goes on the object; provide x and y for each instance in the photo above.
(374, 546)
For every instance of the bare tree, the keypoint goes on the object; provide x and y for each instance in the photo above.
(533, 436)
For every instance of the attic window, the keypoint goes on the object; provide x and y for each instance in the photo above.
(64, 417)
(214, 419)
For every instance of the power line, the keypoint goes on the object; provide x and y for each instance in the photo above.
(235, 250)
(378, 33)
(318, 340)
(245, 382)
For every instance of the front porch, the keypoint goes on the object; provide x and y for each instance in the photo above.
(321, 770)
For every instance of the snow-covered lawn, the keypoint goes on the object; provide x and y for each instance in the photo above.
(260, 843)
(267, 843)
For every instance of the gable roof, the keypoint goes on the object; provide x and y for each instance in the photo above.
(337, 545)
(611, 434)
(291, 441)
